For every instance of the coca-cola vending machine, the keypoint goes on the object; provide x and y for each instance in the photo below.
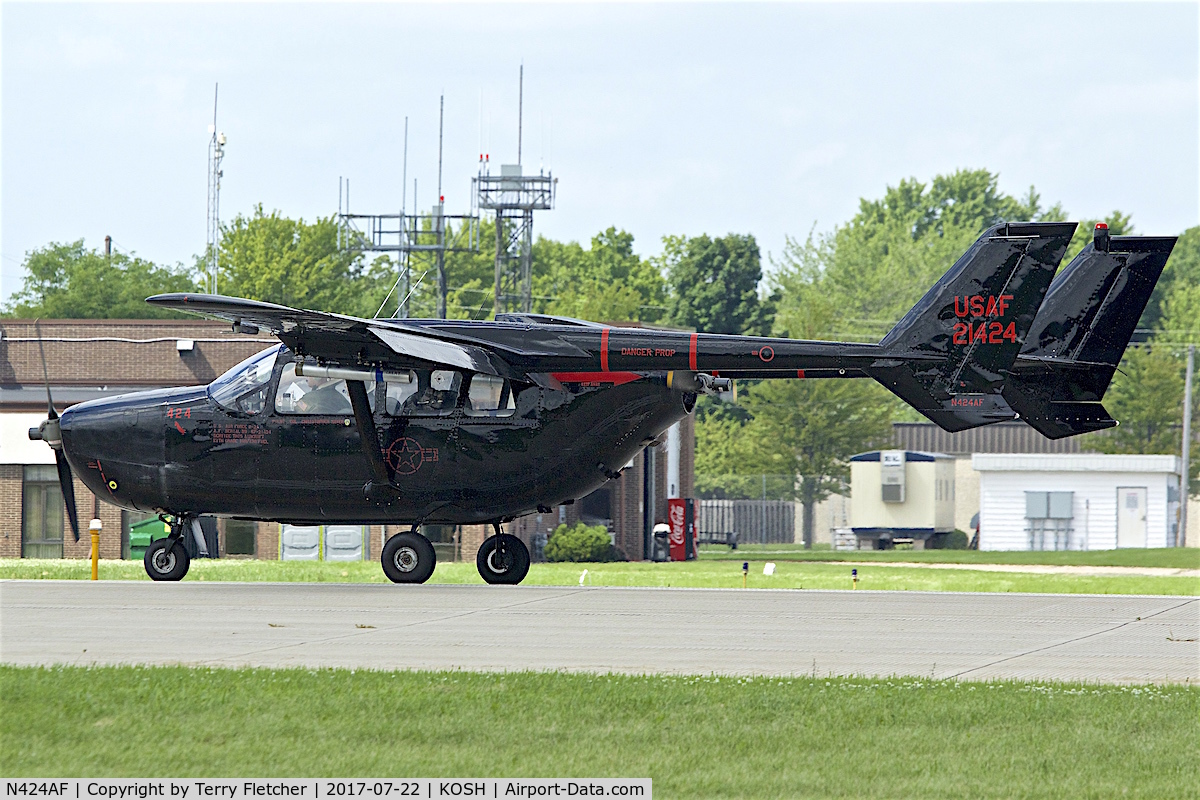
(681, 516)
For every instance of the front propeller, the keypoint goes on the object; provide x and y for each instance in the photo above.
(50, 433)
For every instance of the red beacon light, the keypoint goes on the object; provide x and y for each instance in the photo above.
(1101, 238)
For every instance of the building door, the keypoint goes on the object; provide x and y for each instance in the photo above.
(1131, 516)
(41, 514)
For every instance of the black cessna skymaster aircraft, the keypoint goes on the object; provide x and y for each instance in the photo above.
(451, 422)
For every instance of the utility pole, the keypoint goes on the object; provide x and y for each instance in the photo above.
(216, 152)
(1186, 471)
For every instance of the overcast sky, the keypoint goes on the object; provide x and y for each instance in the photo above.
(659, 119)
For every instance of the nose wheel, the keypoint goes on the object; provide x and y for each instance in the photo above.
(502, 558)
(166, 559)
(408, 558)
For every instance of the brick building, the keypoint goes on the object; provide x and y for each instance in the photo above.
(88, 359)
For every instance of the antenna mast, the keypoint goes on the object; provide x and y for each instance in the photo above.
(520, 111)
(514, 196)
(418, 239)
(216, 152)
(438, 221)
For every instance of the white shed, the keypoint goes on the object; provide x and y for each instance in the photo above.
(1079, 501)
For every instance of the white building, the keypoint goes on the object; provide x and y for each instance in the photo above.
(900, 494)
(1083, 501)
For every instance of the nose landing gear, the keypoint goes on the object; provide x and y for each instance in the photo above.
(503, 558)
(167, 559)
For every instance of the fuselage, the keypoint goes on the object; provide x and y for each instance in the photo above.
(462, 455)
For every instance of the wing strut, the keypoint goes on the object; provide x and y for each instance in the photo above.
(367, 433)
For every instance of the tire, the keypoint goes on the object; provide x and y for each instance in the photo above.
(166, 560)
(408, 558)
(503, 559)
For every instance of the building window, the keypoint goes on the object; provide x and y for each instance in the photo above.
(239, 537)
(41, 514)
(1049, 520)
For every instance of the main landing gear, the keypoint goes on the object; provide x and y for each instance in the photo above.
(408, 558)
(167, 559)
(502, 558)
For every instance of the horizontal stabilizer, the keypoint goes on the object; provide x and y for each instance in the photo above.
(1057, 420)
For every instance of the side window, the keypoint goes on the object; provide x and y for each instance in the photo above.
(315, 396)
(489, 396)
(434, 393)
(397, 393)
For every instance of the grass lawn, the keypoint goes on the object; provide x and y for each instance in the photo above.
(1172, 557)
(707, 573)
(694, 736)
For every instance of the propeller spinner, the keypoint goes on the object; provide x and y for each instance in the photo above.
(50, 433)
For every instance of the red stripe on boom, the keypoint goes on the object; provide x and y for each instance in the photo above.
(615, 378)
(604, 350)
(799, 373)
(692, 351)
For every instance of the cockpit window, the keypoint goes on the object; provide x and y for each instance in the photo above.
(244, 388)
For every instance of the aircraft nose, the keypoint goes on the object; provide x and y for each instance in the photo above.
(116, 444)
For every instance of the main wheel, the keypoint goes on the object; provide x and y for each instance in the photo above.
(408, 558)
(503, 559)
(166, 560)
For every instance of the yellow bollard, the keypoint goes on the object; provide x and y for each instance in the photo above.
(854, 577)
(745, 572)
(95, 526)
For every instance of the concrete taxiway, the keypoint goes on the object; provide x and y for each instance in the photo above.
(1108, 638)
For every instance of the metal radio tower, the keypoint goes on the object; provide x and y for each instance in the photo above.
(514, 197)
(417, 239)
(216, 152)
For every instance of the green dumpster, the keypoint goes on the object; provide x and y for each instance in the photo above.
(141, 534)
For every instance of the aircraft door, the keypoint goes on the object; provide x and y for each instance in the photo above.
(238, 431)
(320, 460)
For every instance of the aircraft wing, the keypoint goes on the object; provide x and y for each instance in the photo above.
(343, 339)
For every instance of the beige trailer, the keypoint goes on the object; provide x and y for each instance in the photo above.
(900, 495)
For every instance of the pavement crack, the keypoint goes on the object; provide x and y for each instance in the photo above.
(1073, 640)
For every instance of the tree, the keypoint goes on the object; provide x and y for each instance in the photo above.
(810, 428)
(606, 283)
(714, 284)
(280, 260)
(1146, 395)
(69, 281)
(1177, 288)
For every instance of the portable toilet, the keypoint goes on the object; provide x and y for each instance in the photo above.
(900, 495)
(300, 543)
(344, 542)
